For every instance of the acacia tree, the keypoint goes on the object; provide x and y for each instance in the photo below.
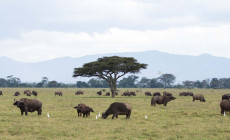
(110, 69)
(167, 79)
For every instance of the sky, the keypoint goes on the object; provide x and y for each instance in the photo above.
(33, 31)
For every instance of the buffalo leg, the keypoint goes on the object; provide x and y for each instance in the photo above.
(39, 111)
(222, 112)
(22, 112)
(114, 115)
(193, 99)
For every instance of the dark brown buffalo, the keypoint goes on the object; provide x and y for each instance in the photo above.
(133, 93)
(1, 93)
(59, 93)
(35, 93)
(83, 109)
(116, 93)
(126, 94)
(147, 93)
(224, 106)
(29, 105)
(186, 94)
(107, 94)
(161, 100)
(17, 93)
(79, 92)
(167, 93)
(118, 109)
(226, 96)
(27, 91)
(198, 97)
(99, 93)
(157, 94)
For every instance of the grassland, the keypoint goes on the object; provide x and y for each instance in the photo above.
(181, 119)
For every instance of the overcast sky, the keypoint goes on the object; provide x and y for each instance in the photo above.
(37, 30)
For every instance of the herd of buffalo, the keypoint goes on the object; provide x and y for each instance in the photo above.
(115, 109)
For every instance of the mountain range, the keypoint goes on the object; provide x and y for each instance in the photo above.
(184, 67)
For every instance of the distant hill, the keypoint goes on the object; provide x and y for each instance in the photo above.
(184, 67)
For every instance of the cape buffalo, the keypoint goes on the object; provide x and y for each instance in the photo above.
(99, 92)
(27, 91)
(79, 92)
(157, 94)
(116, 93)
(34, 93)
(167, 93)
(126, 94)
(17, 93)
(59, 93)
(118, 109)
(226, 96)
(147, 93)
(107, 94)
(198, 97)
(83, 109)
(186, 94)
(133, 93)
(1, 93)
(29, 105)
(161, 100)
(224, 106)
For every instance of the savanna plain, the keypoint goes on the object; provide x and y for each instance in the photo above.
(180, 119)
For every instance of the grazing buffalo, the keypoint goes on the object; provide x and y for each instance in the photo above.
(116, 93)
(79, 92)
(99, 93)
(83, 109)
(1, 93)
(59, 93)
(17, 93)
(186, 94)
(147, 93)
(35, 93)
(224, 106)
(161, 100)
(118, 109)
(226, 96)
(167, 93)
(133, 93)
(29, 105)
(126, 94)
(107, 94)
(27, 91)
(157, 94)
(198, 97)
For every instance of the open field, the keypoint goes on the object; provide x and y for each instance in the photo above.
(181, 119)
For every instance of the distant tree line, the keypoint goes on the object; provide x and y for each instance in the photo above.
(163, 81)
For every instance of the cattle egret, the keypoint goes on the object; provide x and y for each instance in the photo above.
(96, 116)
(146, 117)
(224, 113)
(99, 115)
(48, 115)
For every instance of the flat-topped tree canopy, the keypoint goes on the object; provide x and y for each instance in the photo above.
(110, 69)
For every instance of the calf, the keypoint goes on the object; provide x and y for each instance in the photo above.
(83, 109)
(34, 93)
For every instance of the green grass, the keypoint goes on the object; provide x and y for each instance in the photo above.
(181, 119)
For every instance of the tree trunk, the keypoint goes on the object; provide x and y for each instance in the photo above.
(113, 87)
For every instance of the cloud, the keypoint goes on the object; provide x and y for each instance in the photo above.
(102, 15)
(41, 45)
